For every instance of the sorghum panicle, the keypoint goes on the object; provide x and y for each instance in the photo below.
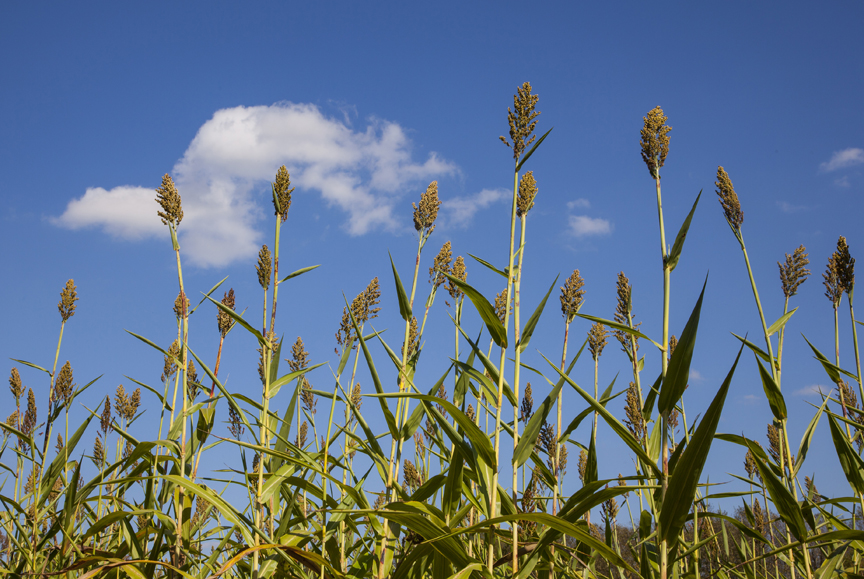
(264, 267)
(794, 271)
(729, 199)
(440, 266)
(597, 339)
(655, 140)
(223, 320)
(527, 193)
(426, 214)
(68, 297)
(522, 120)
(169, 200)
(572, 295)
(282, 189)
(459, 272)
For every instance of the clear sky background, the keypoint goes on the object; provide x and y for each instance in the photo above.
(366, 103)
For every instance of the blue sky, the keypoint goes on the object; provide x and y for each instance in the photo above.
(367, 104)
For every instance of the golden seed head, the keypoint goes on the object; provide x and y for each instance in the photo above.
(583, 464)
(729, 199)
(181, 306)
(470, 412)
(170, 366)
(282, 192)
(12, 420)
(412, 337)
(673, 419)
(307, 397)
(264, 267)
(522, 120)
(810, 487)
(794, 272)
(302, 434)
(673, 343)
(527, 193)
(610, 510)
(527, 407)
(635, 421)
(59, 446)
(572, 295)
(68, 297)
(223, 320)
(624, 314)
(774, 446)
(64, 387)
(441, 265)
(105, 418)
(413, 480)
(169, 199)
(30, 415)
(192, 383)
(655, 140)
(427, 213)
(15, 386)
(356, 396)
(832, 280)
(847, 395)
(299, 356)
(501, 304)
(363, 307)
(98, 449)
(622, 482)
(597, 339)
(750, 465)
(845, 265)
(235, 423)
(459, 272)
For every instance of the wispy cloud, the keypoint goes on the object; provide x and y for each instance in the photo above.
(223, 173)
(842, 181)
(813, 389)
(460, 211)
(584, 226)
(696, 376)
(579, 204)
(786, 207)
(845, 158)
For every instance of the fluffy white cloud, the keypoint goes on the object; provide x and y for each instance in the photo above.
(223, 172)
(845, 158)
(584, 226)
(459, 211)
(813, 389)
(579, 204)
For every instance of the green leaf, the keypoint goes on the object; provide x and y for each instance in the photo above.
(277, 385)
(489, 265)
(485, 309)
(591, 463)
(404, 303)
(617, 326)
(675, 253)
(678, 372)
(212, 289)
(772, 392)
(850, 461)
(776, 326)
(786, 505)
(532, 321)
(833, 370)
(149, 343)
(530, 152)
(616, 425)
(683, 484)
(807, 439)
(300, 271)
(756, 349)
(31, 365)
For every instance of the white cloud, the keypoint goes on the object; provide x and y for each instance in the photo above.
(222, 178)
(584, 226)
(696, 376)
(786, 207)
(813, 389)
(579, 204)
(459, 211)
(845, 158)
(842, 181)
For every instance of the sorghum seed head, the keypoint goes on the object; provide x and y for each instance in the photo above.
(15, 386)
(282, 192)
(68, 297)
(729, 199)
(673, 343)
(223, 320)
(412, 338)
(264, 267)
(235, 423)
(30, 415)
(572, 295)
(427, 213)
(105, 418)
(833, 280)
(527, 408)
(635, 420)
(655, 140)
(458, 271)
(170, 366)
(522, 120)
(501, 303)
(527, 193)
(845, 265)
(440, 266)
(192, 383)
(597, 339)
(794, 272)
(470, 412)
(64, 387)
(412, 476)
(181, 306)
(299, 356)
(357, 396)
(624, 314)
(583, 465)
(98, 449)
(302, 434)
(169, 199)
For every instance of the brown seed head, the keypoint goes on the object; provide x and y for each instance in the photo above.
(635, 421)
(597, 339)
(729, 200)
(470, 413)
(192, 383)
(105, 418)
(774, 445)
(440, 266)
(673, 343)
(413, 480)
(299, 356)
(357, 396)
(59, 446)
(522, 120)
(68, 297)
(583, 465)
(501, 304)
(98, 449)
(527, 193)
(847, 396)
(610, 510)
(845, 266)
(264, 267)
(412, 338)
(223, 320)
(181, 306)
(572, 296)
(64, 387)
(169, 199)
(170, 366)
(427, 213)
(833, 282)
(527, 407)
(282, 191)
(30, 415)
(458, 271)
(15, 386)
(655, 140)
(307, 397)
(624, 314)
(235, 423)
(134, 403)
(750, 465)
(302, 434)
(794, 272)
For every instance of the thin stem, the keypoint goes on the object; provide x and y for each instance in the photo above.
(516, 387)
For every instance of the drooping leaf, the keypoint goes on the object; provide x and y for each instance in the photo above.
(485, 309)
(772, 392)
(850, 461)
